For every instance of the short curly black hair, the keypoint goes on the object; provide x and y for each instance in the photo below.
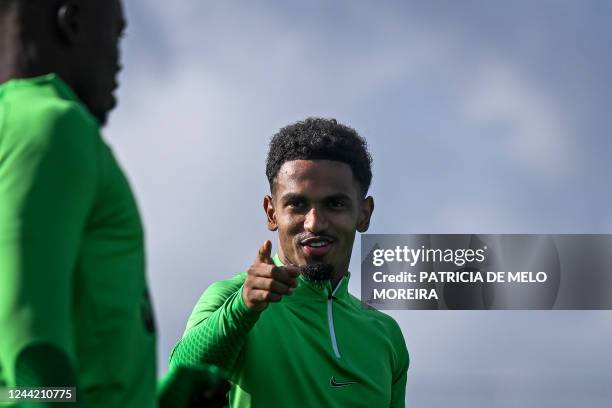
(320, 139)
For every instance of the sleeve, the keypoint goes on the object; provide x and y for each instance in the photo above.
(47, 186)
(398, 387)
(217, 328)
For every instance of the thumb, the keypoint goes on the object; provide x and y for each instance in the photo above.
(265, 253)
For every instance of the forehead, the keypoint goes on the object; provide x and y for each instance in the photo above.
(315, 177)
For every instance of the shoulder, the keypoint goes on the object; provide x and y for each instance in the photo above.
(49, 147)
(382, 320)
(41, 120)
(226, 286)
(387, 325)
(214, 296)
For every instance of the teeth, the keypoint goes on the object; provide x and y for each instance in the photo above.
(317, 244)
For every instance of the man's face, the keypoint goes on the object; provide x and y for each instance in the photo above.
(98, 53)
(317, 207)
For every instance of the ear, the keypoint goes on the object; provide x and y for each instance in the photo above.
(69, 23)
(365, 213)
(268, 205)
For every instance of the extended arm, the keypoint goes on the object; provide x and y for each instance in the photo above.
(217, 328)
(228, 310)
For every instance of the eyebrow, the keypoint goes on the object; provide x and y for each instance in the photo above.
(292, 196)
(295, 196)
(339, 196)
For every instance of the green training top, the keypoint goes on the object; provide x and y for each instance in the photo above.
(72, 266)
(315, 348)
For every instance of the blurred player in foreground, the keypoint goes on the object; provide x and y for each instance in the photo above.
(287, 330)
(74, 306)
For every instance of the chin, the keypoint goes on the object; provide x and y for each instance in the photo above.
(102, 117)
(317, 272)
(102, 113)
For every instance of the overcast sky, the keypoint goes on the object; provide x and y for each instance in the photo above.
(482, 117)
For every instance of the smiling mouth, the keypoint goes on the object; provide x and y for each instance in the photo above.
(317, 246)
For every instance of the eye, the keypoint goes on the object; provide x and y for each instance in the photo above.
(336, 204)
(295, 204)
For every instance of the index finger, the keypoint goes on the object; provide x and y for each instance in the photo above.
(265, 252)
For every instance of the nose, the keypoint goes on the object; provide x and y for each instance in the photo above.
(315, 221)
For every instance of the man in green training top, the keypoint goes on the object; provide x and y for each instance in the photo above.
(74, 306)
(287, 330)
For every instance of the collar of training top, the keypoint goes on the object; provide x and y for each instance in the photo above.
(321, 288)
(52, 81)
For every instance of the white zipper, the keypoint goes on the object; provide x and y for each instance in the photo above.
(330, 321)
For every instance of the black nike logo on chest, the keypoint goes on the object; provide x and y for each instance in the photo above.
(335, 383)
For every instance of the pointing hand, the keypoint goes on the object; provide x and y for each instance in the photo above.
(267, 282)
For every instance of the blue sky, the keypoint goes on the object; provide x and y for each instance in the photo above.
(482, 117)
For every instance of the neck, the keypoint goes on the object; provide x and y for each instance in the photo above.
(7, 72)
(9, 49)
(21, 57)
(335, 281)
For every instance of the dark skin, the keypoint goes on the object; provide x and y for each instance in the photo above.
(312, 202)
(77, 40)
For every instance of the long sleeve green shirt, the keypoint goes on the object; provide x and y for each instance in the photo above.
(316, 348)
(72, 266)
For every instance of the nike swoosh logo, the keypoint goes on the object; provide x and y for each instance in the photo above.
(335, 383)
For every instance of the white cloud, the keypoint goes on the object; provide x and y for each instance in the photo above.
(499, 93)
